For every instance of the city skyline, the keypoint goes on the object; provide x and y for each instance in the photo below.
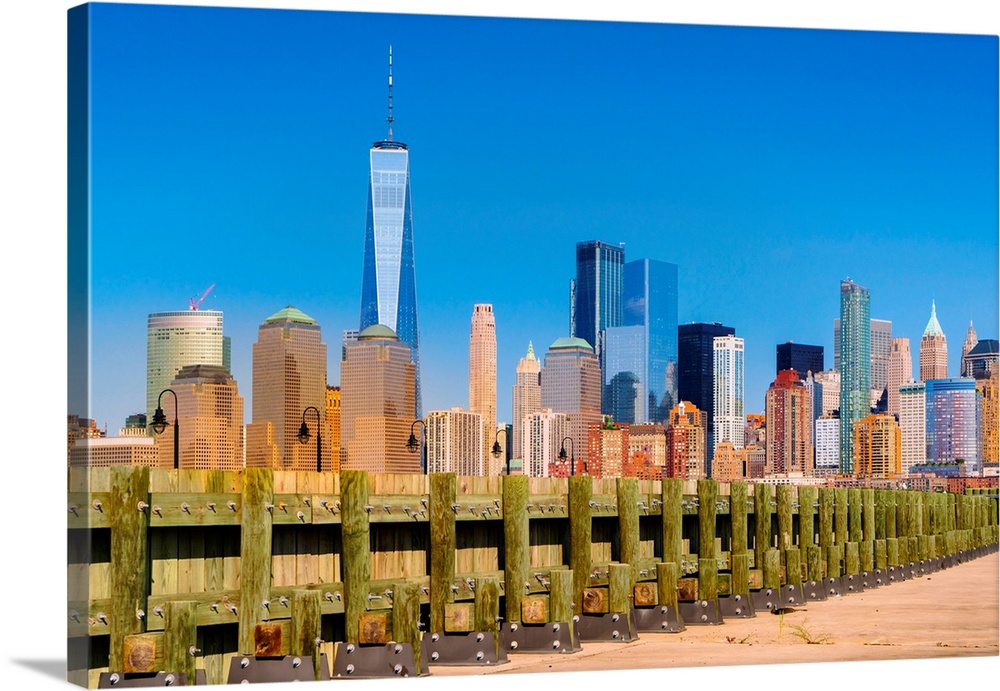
(306, 187)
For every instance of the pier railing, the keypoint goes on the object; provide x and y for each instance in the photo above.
(186, 569)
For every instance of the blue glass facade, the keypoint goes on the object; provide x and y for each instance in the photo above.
(388, 283)
(952, 422)
(649, 299)
(626, 393)
(598, 291)
(855, 365)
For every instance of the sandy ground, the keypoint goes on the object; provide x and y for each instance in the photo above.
(954, 612)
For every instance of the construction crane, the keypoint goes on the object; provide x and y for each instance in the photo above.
(194, 305)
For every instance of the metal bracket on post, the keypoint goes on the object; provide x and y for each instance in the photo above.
(739, 606)
(473, 648)
(552, 637)
(119, 680)
(706, 612)
(611, 626)
(896, 574)
(248, 669)
(375, 661)
(869, 580)
(815, 591)
(851, 584)
(658, 619)
(776, 599)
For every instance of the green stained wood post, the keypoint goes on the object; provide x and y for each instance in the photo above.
(129, 567)
(619, 588)
(833, 569)
(793, 566)
(903, 549)
(442, 546)
(772, 569)
(672, 494)
(708, 494)
(903, 513)
(666, 584)
(738, 517)
(807, 516)
(487, 609)
(784, 496)
(892, 551)
(852, 560)
(180, 635)
(814, 562)
(855, 532)
(406, 617)
(628, 523)
(868, 515)
(890, 513)
(826, 511)
(307, 627)
(255, 551)
(881, 555)
(561, 598)
(739, 557)
(952, 511)
(355, 559)
(867, 551)
(516, 541)
(840, 515)
(762, 521)
(880, 511)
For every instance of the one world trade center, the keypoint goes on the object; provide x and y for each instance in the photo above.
(388, 283)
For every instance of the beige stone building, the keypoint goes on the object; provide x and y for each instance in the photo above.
(210, 413)
(377, 400)
(483, 372)
(289, 388)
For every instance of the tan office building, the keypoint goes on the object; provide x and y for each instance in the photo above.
(377, 400)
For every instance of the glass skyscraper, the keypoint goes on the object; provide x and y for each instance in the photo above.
(640, 364)
(388, 283)
(597, 298)
(952, 422)
(855, 365)
(696, 370)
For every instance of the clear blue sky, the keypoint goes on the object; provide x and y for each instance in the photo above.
(230, 146)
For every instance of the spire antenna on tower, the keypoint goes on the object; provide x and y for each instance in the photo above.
(389, 119)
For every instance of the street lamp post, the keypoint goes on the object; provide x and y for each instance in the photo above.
(160, 424)
(412, 444)
(562, 454)
(496, 446)
(304, 436)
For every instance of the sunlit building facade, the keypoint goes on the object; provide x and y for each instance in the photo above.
(597, 293)
(789, 425)
(696, 369)
(900, 371)
(289, 387)
(483, 371)
(571, 384)
(377, 390)
(877, 441)
(827, 444)
(728, 382)
(686, 438)
(912, 425)
(455, 442)
(526, 397)
(933, 350)
(210, 412)
(544, 431)
(176, 339)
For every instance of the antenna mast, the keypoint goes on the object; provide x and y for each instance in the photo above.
(389, 119)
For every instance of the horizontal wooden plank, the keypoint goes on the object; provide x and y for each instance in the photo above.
(291, 509)
(88, 510)
(178, 509)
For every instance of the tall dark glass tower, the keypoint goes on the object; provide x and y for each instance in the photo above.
(388, 282)
(598, 294)
(696, 369)
(799, 357)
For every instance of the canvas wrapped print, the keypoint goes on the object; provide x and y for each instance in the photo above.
(701, 367)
